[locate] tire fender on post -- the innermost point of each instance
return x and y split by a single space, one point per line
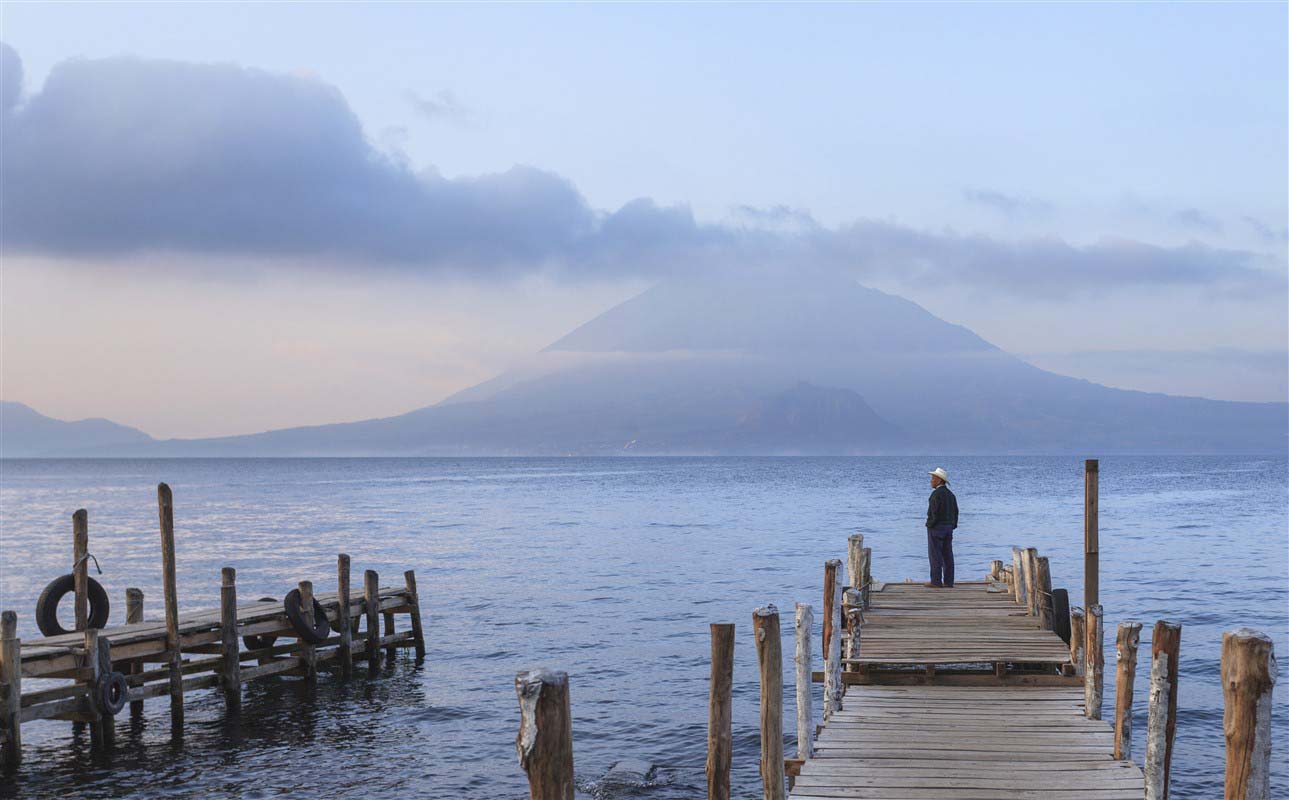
60 587
321 626
111 693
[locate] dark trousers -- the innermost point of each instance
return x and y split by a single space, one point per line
939 548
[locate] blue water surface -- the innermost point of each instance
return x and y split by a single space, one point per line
610 569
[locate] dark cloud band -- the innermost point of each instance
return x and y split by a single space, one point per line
123 155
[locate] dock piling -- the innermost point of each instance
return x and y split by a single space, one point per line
166 512
805 620
1031 581
134 615
1091 533
231 669
852 606
1248 676
769 656
371 608
1018 575
1078 641
1043 595
832 639
344 620
80 566
855 560
996 570
545 739
11 683
1125 673
1161 719
98 660
414 600
720 733
308 653
1094 665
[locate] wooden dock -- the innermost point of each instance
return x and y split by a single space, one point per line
960 694
91 674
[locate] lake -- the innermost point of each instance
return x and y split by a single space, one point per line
610 569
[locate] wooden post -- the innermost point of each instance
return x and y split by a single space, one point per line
1043 593
11 683
545 739
852 605
867 572
1161 720
133 616
1018 574
371 607
720 733
413 599
1031 581
1126 672
805 619
98 656
855 560
769 657
390 649
1248 675
345 651
166 510
1078 640
1094 670
231 669
996 570
1091 534
308 652
832 641
81 566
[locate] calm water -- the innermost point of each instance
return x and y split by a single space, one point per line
610 569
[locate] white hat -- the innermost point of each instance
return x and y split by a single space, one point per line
939 473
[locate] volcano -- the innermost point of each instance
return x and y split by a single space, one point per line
776 366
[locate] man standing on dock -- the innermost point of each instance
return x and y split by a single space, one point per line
941 519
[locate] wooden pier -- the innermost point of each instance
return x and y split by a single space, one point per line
95 672
960 693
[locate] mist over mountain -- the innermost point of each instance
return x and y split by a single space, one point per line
771 365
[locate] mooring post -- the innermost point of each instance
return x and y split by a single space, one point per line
805 620
391 649
1091 534
371 607
852 606
867 572
345 650
720 733
1018 574
769 657
308 652
832 640
1094 669
414 599
98 662
231 668
1043 595
996 570
1031 581
1078 641
1125 673
1248 675
11 682
133 616
1161 718
855 560
81 566
545 740
166 511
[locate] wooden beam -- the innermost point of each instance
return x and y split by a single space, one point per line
720 734
1094 671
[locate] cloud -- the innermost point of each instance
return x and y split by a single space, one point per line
1010 206
1265 232
123 156
443 105
10 78
1193 219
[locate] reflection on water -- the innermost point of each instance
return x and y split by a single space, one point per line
610 569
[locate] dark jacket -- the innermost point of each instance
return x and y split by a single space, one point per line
942 508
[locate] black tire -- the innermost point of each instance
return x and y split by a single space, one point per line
254 642
1061 614
111 693
321 627
60 587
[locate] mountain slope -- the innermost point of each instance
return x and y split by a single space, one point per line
26 433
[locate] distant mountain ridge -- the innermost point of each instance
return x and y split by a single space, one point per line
768 366
25 432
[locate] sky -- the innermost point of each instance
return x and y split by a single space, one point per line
224 218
